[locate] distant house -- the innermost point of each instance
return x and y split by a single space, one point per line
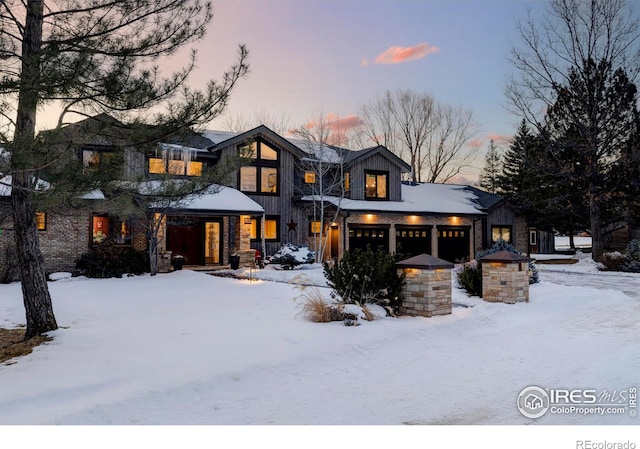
273 199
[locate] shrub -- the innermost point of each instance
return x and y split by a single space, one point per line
9 265
470 278
106 260
366 277
628 262
290 256
632 257
612 261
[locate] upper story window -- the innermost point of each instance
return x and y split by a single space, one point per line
309 177
347 182
94 160
175 161
376 185
263 172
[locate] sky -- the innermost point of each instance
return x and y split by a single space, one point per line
319 58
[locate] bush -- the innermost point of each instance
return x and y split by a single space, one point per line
9 265
106 260
614 261
470 278
290 256
628 262
366 277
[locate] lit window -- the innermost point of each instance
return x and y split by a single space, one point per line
310 177
248 179
175 167
347 182
100 228
269 180
262 175
376 185
501 233
314 227
41 221
271 229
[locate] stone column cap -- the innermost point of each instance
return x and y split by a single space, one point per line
424 261
504 256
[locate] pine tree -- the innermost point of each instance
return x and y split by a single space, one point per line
491 171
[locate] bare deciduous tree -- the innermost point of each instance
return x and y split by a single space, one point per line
430 135
325 164
89 57
574 53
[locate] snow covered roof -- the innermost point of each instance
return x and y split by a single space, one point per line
219 136
222 199
5 185
217 198
448 199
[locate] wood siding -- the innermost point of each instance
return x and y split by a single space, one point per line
377 162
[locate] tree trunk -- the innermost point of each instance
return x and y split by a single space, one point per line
153 254
595 218
35 291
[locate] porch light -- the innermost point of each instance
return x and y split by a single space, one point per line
454 220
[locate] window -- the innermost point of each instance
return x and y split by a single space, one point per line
104 227
314 227
262 175
533 237
309 177
271 228
501 233
376 185
347 182
93 160
41 221
175 167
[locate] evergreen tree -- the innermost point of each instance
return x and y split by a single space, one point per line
491 171
91 57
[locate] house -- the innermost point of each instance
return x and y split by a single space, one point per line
288 191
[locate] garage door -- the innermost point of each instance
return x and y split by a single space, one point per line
361 236
453 243
413 240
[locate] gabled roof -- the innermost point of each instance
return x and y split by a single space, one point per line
223 140
355 156
485 199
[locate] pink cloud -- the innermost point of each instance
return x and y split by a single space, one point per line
476 143
499 139
396 55
335 128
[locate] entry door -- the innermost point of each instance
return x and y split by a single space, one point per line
334 235
212 239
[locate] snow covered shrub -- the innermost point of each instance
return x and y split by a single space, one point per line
612 261
290 256
366 277
632 257
470 278
316 309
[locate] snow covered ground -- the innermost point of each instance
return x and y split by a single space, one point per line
191 348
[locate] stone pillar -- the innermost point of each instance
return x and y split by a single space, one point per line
505 277
427 289
164 261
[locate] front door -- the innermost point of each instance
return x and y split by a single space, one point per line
212 239
185 239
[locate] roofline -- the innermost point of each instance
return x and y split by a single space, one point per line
367 152
257 131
